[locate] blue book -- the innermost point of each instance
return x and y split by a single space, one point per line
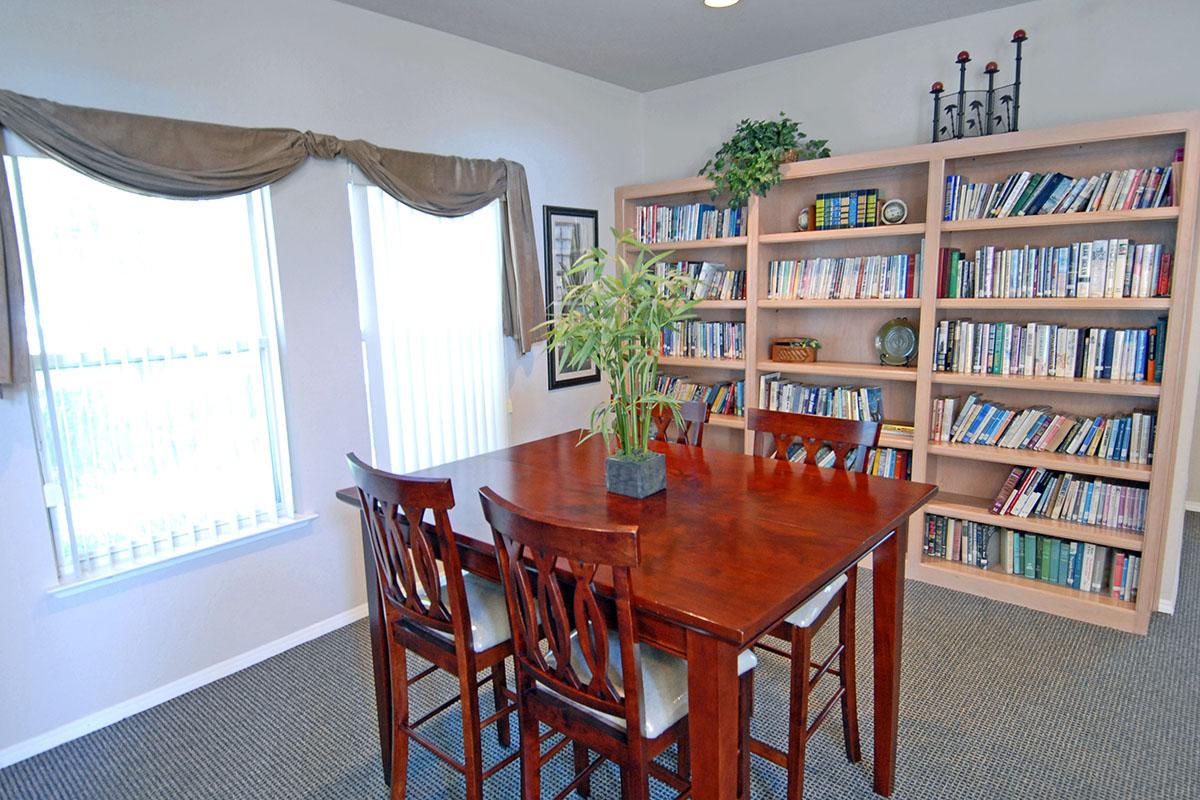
1064 563
1055 558
1139 361
1077 569
984 411
1017 568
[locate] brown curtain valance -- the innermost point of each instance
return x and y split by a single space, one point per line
180 159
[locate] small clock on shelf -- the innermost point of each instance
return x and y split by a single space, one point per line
893 212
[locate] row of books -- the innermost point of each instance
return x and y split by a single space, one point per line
854 278
1102 268
686 223
726 397
1077 565
696 339
1039 349
1051 494
1028 193
711 280
888 462
854 209
844 402
1127 438
961 540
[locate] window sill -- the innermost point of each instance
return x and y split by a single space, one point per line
72 587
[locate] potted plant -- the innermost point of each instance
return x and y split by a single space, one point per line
749 162
615 320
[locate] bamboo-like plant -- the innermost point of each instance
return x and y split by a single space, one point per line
615 320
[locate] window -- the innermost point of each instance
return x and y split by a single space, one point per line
430 309
153 333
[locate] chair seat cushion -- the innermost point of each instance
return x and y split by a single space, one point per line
489 613
807 613
664 698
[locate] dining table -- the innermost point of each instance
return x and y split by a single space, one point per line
730 548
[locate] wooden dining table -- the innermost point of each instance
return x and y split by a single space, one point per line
731 547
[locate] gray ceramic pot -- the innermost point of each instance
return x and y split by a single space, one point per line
640 478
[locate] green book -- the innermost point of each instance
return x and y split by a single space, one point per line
1034 184
1044 550
1017 567
1029 555
1055 555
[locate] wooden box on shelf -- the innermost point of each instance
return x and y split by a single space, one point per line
793 350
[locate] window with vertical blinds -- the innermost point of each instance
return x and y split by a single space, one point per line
430 308
154 340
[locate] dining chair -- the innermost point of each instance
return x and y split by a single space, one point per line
575 681
452 619
849 441
693 416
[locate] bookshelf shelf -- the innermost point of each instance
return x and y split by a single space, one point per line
716 305
1119 388
727 421
905 302
1055 220
699 244
1032 458
1058 304
703 363
840 369
896 442
979 509
969 474
874 232
1097 608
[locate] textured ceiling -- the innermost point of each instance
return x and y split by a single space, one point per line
649 44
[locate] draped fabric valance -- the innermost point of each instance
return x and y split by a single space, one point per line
180 159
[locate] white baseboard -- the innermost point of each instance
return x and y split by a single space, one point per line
93 722
1191 505
1166 606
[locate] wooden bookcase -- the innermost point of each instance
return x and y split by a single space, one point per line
969 476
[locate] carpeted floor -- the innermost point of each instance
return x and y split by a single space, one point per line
997 702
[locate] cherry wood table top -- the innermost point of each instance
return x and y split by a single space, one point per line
735 542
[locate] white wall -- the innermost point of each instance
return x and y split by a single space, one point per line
298 63
1085 60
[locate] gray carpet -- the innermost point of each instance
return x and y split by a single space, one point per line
997 702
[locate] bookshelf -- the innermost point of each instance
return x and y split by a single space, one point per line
969 476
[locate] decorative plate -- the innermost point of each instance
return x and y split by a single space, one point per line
894 212
896 342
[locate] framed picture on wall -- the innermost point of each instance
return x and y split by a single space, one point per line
568 234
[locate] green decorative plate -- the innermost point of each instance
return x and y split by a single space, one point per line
896 342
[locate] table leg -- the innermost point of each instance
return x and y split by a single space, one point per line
379 656
887 571
713 717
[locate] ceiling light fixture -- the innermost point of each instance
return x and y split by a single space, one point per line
720 3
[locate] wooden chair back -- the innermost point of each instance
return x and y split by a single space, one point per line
407 549
693 416
815 432
536 554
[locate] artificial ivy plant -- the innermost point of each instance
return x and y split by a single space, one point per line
749 162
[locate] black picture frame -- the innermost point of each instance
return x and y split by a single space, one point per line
565 236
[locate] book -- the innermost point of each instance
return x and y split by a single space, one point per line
691 222
858 277
696 339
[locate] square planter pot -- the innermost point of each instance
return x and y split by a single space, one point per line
640 478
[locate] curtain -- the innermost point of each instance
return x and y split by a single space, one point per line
176 158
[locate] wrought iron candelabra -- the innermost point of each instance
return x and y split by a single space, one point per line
979 112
